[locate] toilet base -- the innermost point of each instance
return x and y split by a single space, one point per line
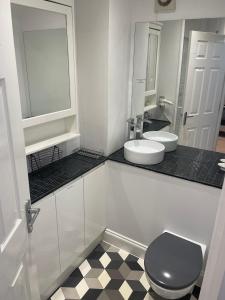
170 294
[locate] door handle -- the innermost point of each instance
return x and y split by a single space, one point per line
31 215
187 116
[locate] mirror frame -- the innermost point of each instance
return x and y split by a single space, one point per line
67 11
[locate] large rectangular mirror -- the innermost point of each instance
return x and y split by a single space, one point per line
43 62
178 78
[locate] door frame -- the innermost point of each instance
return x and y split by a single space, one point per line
215 267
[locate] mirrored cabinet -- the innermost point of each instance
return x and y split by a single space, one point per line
146 66
45 54
152 65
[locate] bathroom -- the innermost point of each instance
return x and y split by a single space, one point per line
111 177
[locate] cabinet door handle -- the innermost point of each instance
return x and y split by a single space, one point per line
31 215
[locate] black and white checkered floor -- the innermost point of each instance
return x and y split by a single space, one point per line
110 273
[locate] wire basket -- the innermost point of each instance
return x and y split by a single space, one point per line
45 157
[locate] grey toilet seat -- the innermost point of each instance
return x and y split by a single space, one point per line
173 263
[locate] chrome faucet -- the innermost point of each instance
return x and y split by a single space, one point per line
131 129
147 117
135 130
139 127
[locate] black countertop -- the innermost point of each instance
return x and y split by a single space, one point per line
155 125
52 177
186 163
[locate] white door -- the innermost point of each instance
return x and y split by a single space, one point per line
204 88
15 261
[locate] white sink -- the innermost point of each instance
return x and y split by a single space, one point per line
169 140
144 152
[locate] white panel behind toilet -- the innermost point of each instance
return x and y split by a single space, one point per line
203 246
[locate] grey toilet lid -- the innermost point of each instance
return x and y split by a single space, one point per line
172 262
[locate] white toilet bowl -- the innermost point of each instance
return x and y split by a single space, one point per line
173 265
170 294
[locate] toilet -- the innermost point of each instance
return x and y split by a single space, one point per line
173 265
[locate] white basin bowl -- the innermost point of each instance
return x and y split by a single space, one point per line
169 140
144 152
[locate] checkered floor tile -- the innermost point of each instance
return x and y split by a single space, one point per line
110 273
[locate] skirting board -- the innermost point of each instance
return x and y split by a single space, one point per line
125 243
135 248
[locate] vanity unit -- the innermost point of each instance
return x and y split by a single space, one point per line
180 195
81 197
72 216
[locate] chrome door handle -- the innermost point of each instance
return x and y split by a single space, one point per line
187 116
31 215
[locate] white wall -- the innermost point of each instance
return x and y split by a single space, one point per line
103 45
141 204
37 19
207 25
118 63
218 25
92 26
143 10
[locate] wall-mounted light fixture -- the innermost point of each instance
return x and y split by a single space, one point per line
165 6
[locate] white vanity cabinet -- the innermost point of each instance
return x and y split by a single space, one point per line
94 201
45 245
70 218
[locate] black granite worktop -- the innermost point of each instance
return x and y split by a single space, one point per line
186 163
50 178
155 125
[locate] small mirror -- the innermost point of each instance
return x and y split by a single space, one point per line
178 79
41 46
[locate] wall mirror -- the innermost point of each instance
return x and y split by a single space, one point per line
44 55
178 78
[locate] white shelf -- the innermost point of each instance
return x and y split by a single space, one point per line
149 107
50 142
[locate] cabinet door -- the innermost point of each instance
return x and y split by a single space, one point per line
94 199
70 214
45 243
